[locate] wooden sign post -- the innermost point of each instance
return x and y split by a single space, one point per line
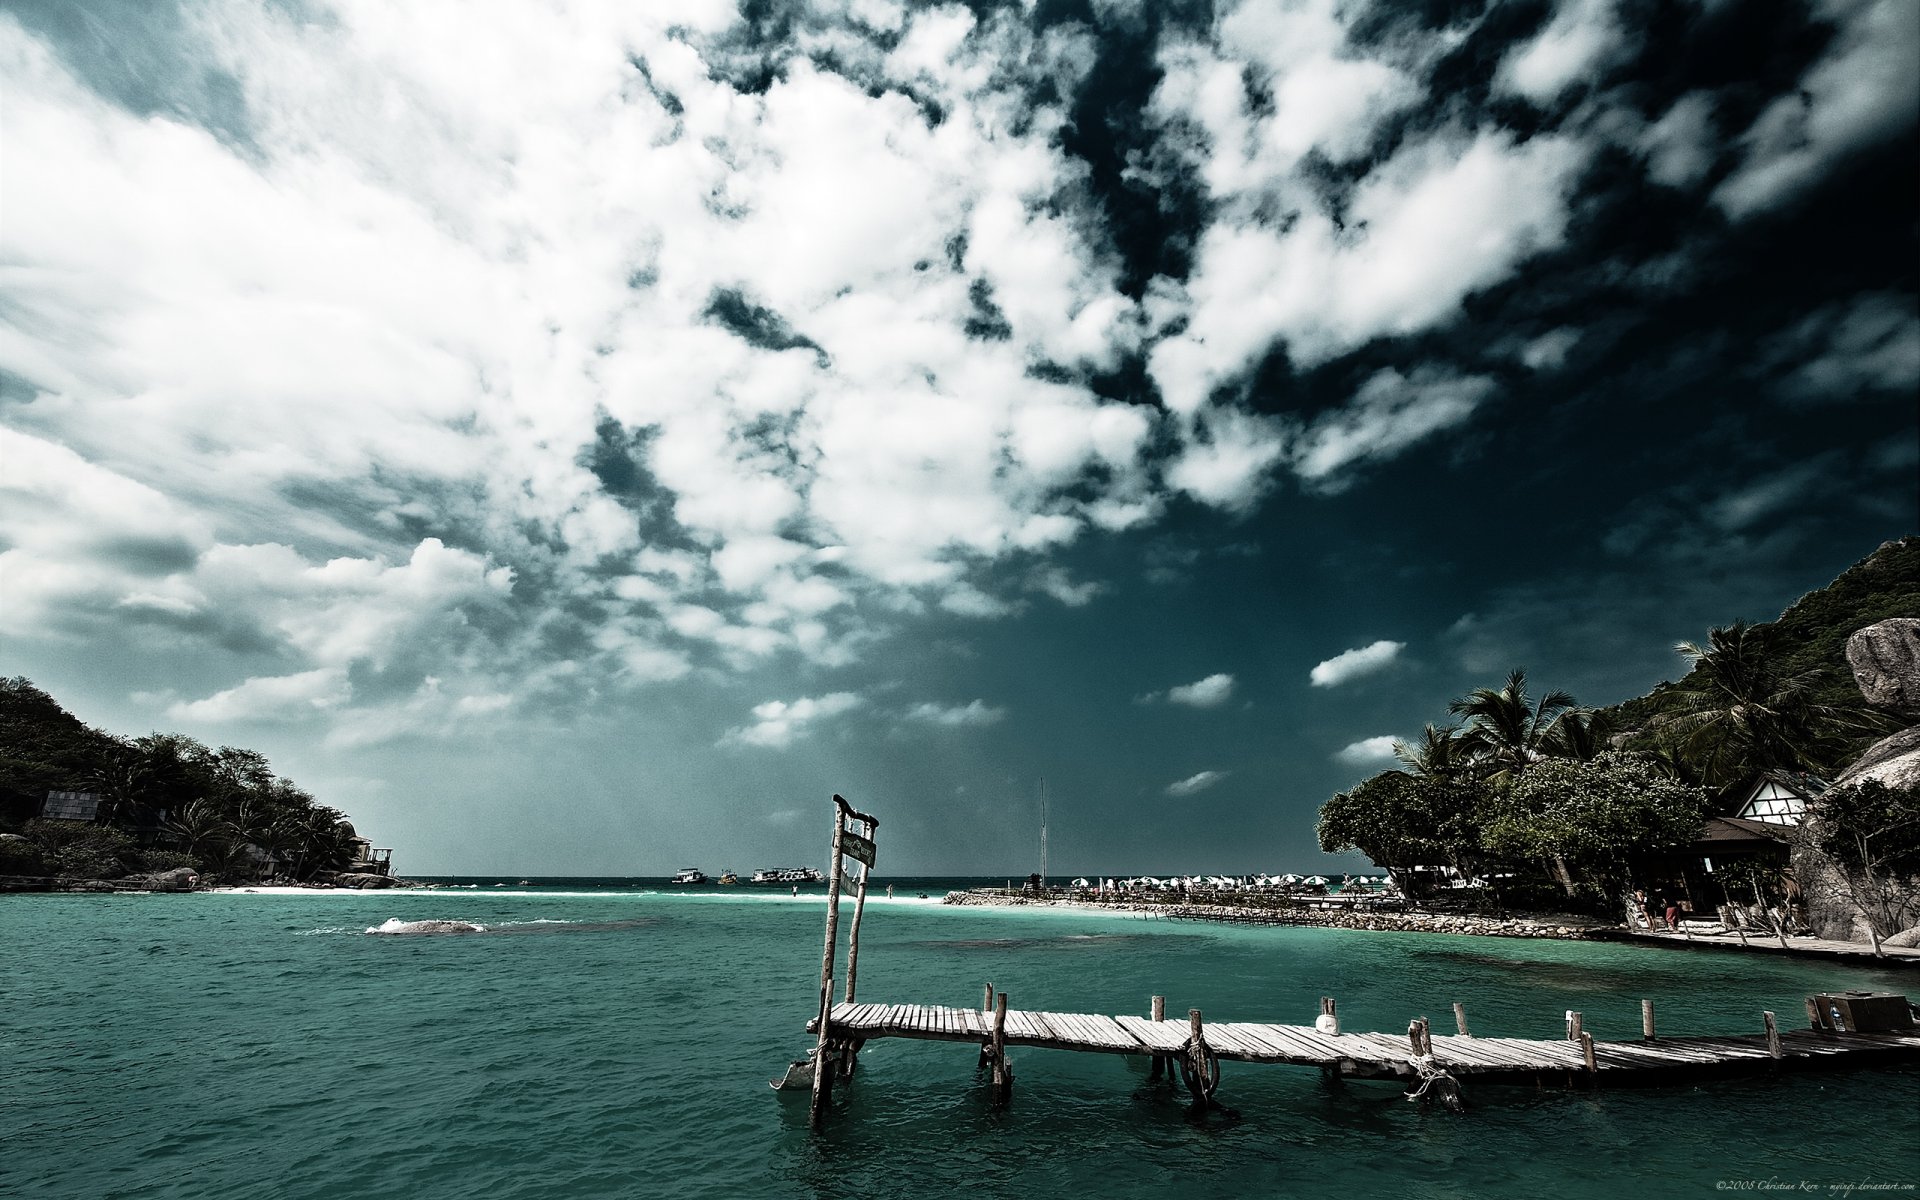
824 1066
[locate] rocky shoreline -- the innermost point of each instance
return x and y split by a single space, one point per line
184 879
1556 926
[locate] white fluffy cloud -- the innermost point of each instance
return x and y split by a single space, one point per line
453 263
1352 664
1196 783
1211 692
779 723
1862 91
1389 413
973 714
270 698
1367 751
1577 44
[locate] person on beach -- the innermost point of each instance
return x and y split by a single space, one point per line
1673 915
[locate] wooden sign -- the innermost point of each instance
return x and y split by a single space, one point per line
857 848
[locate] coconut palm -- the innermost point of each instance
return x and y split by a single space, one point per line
1439 754
1737 713
1580 734
1506 729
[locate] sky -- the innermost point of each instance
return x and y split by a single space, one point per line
581 437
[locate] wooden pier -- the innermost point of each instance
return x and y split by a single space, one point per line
1580 1061
1433 1065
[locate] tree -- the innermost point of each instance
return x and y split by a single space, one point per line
1588 819
1737 713
1506 729
1401 821
1440 754
1868 835
1759 876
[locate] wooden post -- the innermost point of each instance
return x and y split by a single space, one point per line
1157 1010
1002 1078
986 1005
1646 1019
1813 1018
1573 1026
822 1068
1419 1037
859 908
1773 1034
1460 1018
1586 1051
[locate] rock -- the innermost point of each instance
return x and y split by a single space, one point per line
1885 657
180 879
1906 937
356 880
1894 761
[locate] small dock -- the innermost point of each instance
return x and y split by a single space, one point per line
1845 1029
1579 1061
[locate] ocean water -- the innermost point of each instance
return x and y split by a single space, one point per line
616 1040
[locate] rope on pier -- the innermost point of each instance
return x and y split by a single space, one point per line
1433 1078
1200 1071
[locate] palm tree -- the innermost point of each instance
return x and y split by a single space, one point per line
1505 728
199 828
1580 734
1439 754
1736 713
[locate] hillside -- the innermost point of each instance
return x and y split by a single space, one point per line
1812 633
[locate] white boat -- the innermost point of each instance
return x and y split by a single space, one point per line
689 876
779 876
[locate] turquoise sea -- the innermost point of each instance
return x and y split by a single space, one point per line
616 1040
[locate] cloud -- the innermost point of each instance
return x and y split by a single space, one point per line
1581 40
1862 91
1867 345
1681 145
1548 352
554 323
1194 784
1368 750
270 698
1352 664
1444 217
1389 413
1211 692
779 723
973 714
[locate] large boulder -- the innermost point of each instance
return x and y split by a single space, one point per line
1903 939
354 879
1885 657
1894 761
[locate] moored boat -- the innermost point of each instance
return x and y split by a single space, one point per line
728 878
782 876
688 876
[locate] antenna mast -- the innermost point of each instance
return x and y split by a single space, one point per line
1043 832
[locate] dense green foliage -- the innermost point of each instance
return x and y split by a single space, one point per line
1590 818
1869 834
221 810
1529 790
1809 641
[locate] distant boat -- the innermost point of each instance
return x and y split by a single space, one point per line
689 876
728 878
781 876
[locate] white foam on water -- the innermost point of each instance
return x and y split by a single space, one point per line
396 925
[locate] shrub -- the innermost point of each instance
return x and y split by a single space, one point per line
156 861
20 858
82 851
